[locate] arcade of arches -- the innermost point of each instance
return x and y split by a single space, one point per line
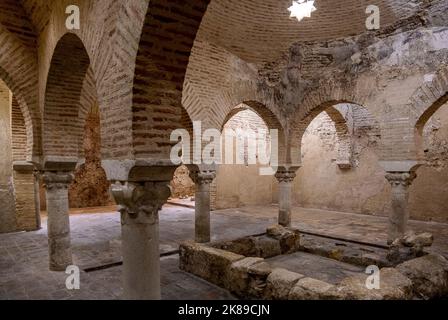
86 115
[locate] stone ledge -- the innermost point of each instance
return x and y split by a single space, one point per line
208 263
251 277
279 284
23 166
393 286
312 289
429 275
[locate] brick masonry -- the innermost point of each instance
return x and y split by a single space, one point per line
149 64
25 201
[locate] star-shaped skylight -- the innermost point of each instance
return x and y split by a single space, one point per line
301 9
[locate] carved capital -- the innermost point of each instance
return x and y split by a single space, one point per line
202 176
285 176
403 179
57 180
140 202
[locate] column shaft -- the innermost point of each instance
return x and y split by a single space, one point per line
141 259
140 203
203 180
399 215
56 185
284 203
285 177
202 213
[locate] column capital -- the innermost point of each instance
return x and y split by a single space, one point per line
286 174
57 179
140 202
203 176
404 179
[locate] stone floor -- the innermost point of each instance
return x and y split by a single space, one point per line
96 242
314 266
350 226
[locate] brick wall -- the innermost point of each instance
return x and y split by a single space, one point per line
167 38
19 138
62 125
26 215
90 187
24 182
227 52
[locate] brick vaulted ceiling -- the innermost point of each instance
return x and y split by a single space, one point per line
26 18
38 12
15 19
260 31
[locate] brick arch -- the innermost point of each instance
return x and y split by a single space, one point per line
299 128
19 132
28 148
424 103
110 31
268 118
187 124
315 102
238 93
88 100
62 128
18 69
167 38
344 159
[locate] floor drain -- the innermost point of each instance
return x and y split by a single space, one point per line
104 267
120 263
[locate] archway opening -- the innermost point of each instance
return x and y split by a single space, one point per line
246 140
427 198
340 162
72 114
18 191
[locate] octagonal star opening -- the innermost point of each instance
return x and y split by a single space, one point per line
301 9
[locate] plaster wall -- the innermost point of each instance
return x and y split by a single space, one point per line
363 189
240 185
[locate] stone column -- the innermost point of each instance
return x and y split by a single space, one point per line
37 176
285 177
56 185
139 205
203 180
398 218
